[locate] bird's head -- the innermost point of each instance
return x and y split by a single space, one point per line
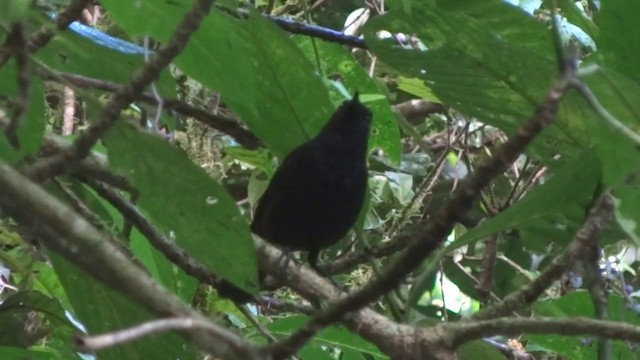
350 122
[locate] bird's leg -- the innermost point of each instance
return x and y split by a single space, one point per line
313 262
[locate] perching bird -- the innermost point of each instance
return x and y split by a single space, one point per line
317 193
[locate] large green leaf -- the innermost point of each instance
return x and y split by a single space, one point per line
186 204
481 68
261 74
162 269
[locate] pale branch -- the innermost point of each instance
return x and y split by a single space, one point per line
93 343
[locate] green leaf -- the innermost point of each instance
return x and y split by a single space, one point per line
8 352
482 68
25 301
186 204
100 310
332 336
617 20
618 153
577 17
162 269
19 326
416 87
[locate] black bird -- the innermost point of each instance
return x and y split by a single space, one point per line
317 193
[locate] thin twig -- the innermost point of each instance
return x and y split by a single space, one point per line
93 343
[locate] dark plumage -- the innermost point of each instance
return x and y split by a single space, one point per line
316 194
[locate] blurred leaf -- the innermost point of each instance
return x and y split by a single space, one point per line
7 352
186 204
577 17
25 301
25 318
416 87
481 67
